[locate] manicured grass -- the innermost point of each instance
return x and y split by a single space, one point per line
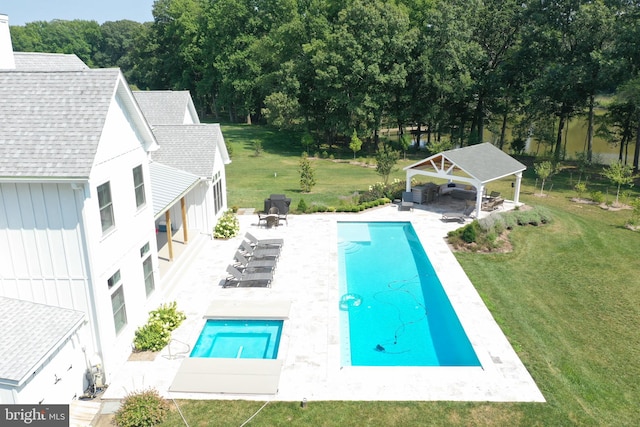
251 178
567 297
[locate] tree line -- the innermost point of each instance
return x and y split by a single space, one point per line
451 69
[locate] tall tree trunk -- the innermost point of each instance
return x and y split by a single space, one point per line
503 130
480 120
214 106
636 152
559 138
418 133
590 130
473 137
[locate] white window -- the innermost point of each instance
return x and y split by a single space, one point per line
138 185
117 302
147 268
106 207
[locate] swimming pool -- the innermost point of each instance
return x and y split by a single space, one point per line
239 339
393 309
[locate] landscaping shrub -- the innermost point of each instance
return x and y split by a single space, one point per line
152 336
156 333
469 233
494 223
228 226
635 213
302 206
142 409
597 196
534 216
580 188
168 315
485 233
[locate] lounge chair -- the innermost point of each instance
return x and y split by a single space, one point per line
458 216
243 263
407 201
255 242
239 278
260 252
492 204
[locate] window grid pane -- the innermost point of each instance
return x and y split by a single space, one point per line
119 309
106 207
147 268
138 184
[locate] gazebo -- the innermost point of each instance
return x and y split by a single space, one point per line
475 165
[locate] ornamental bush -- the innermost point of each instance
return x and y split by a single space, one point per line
156 333
142 409
228 226
168 314
153 336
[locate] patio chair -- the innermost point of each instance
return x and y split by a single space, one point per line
260 252
247 264
492 204
255 242
269 219
458 216
282 203
407 201
247 279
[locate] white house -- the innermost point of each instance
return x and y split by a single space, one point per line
188 145
78 251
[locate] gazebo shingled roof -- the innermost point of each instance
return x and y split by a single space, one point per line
476 165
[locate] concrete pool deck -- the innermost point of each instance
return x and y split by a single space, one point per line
306 276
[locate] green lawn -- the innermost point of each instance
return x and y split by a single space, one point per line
251 178
567 298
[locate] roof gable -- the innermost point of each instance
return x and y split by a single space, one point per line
191 148
165 107
482 162
51 122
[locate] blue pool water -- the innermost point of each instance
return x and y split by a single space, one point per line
244 339
393 309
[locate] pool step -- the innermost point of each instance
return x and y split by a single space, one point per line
350 247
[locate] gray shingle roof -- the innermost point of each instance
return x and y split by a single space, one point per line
30 332
484 162
191 148
51 122
33 61
165 107
168 185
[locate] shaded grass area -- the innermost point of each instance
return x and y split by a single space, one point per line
567 297
252 178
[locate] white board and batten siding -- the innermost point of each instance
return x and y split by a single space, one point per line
53 250
119 249
41 248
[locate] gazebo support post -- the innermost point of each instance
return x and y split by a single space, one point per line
479 193
516 194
